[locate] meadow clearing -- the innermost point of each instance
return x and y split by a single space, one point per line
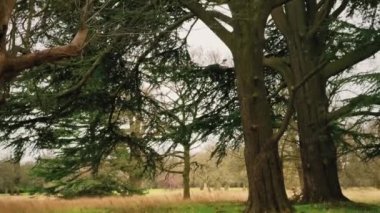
159 200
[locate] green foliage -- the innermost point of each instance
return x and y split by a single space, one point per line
230 172
69 176
7 177
355 128
77 107
101 185
18 180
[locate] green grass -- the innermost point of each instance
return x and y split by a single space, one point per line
237 207
182 208
86 210
200 208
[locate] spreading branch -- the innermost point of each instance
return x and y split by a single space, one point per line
11 66
352 58
352 105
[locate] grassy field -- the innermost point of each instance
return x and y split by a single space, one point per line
158 201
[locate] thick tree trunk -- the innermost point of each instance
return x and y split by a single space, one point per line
265 178
318 151
186 172
246 42
317 148
307 48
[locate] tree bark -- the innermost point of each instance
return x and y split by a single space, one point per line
12 66
317 148
306 40
186 172
265 178
246 42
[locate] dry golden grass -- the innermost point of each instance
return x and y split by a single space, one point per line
363 195
41 204
25 204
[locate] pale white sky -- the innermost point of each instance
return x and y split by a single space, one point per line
204 42
205 46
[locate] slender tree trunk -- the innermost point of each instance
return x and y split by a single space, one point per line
17 178
186 172
297 158
298 165
265 178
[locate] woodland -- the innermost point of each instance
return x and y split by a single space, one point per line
108 98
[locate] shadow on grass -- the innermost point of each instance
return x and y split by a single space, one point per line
239 207
341 207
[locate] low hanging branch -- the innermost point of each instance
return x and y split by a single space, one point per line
11 66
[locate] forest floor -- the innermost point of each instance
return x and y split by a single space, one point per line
157 201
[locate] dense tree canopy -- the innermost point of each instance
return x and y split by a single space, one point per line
121 95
